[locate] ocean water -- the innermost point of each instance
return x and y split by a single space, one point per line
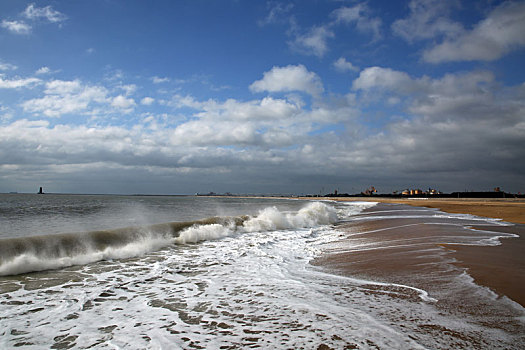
140 272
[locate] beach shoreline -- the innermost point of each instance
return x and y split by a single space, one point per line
501 268
511 210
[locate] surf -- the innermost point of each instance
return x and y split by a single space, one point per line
46 252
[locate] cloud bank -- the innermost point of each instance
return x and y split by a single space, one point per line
245 141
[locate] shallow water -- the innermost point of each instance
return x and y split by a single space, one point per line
228 285
403 244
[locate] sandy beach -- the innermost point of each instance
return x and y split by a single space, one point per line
500 268
510 210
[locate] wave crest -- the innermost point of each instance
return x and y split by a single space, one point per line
38 253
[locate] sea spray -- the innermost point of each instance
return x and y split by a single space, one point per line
313 214
208 232
38 253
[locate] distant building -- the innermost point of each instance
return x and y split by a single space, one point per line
432 191
419 192
369 191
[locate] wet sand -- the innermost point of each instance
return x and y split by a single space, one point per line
501 268
411 251
510 210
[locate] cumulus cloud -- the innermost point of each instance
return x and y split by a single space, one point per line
448 124
378 77
498 34
159 80
43 70
65 97
16 27
427 19
7 66
464 95
452 123
123 103
313 42
63 87
276 13
129 88
289 78
469 112
246 135
45 13
33 13
343 65
147 101
18 83
360 16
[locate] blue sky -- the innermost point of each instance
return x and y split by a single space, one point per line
178 97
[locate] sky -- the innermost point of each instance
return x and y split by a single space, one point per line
248 96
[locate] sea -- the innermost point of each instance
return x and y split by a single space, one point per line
192 272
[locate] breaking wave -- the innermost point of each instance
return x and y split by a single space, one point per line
38 253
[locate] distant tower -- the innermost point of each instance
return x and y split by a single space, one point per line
40 191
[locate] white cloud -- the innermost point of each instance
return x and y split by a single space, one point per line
7 66
123 103
74 97
18 83
386 78
267 123
113 75
66 97
179 101
455 97
16 27
147 101
34 13
289 78
344 66
158 80
498 34
453 122
314 42
360 16
267 109
204 132
129 88
43 70
276 13
63 87
427 19
6 114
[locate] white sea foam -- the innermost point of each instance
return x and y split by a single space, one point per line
200 233
32 261
268 219
313 214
